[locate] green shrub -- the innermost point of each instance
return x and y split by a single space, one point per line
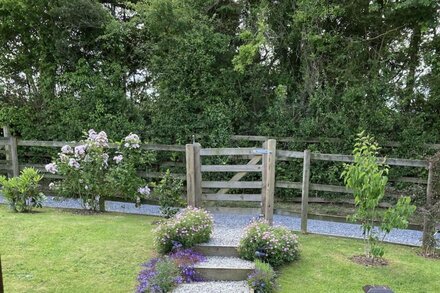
22 193
169 193
275 245
187 228
263 279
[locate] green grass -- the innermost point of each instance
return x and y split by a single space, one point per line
59 251
324 267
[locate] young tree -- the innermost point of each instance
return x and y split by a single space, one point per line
368 178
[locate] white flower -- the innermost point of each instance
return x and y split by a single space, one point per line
51 186
67 149
132 141
74 163
144 190
86 187
92 134
118 159
51 168
101 139
80 151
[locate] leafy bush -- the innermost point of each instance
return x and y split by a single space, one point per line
22 193
188 227
367 178
169 193
90 173
263 279
164 273
275 245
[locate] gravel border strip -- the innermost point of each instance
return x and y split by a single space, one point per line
214 287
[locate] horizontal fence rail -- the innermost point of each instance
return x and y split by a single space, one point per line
259 138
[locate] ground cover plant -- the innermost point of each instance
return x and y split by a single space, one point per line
54 250
368 178
164 273
276 245
187 228
23 192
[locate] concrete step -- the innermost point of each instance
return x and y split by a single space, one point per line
214 287
218 268
210 249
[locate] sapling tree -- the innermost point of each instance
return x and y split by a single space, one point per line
367 178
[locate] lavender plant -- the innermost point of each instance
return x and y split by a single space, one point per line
263 278
164 273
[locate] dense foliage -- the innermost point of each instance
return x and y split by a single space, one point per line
367 178
275 245
23 192
170 69
187 228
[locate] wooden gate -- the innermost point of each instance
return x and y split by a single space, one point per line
196 185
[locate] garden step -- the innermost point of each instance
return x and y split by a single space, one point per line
218 268
210 249
214 287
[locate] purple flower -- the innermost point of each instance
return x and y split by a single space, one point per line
80 151
144 190
67 149
105 160
92 134
118 158
51 168
74 163
101 139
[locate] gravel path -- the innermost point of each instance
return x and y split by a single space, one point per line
229 226
225 263
214 287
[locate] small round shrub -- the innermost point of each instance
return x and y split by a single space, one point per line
275 245
263 278
187 228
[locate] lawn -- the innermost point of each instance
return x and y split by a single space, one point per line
60 251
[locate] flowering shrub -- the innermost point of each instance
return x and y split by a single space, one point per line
22 192
91 175
275 245
188 227
263 279
169 193
164 273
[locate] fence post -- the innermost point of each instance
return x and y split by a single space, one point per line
305 191
268 192
11 153
193 174
427 226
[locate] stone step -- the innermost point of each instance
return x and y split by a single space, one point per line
218 268
214 287
210 249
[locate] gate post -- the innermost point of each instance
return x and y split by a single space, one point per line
11 153
193 174
305 191
268 178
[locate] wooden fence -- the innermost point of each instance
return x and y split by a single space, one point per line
270 155
13 166
199 190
